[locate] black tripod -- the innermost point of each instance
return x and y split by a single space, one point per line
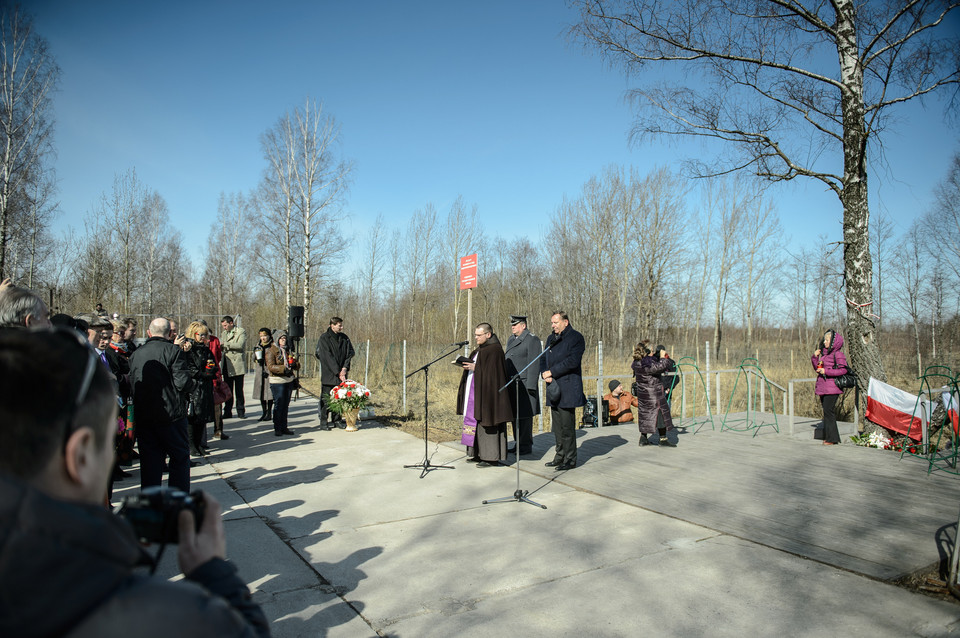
519 495
426 465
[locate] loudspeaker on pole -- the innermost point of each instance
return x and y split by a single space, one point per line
295 322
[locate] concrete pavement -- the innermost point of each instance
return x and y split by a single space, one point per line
336 538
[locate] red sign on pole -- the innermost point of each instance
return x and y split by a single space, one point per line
468 272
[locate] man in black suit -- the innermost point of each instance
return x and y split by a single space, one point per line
560 369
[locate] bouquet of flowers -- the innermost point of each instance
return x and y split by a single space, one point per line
349 395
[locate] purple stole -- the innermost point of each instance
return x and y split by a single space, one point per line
469 436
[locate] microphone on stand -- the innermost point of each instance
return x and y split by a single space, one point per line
460 343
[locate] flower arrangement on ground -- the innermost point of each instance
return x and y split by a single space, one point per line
882 442
347 396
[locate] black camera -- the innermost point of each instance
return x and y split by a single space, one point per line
153 513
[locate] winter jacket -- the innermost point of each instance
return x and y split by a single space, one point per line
277 366
563 362
520 351
334 351
203 369
653 411
834 365
159 374
234 341
70 570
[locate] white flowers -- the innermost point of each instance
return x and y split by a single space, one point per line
876 439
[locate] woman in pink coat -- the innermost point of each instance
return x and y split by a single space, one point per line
829 362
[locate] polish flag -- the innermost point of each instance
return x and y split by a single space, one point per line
952 405
895 409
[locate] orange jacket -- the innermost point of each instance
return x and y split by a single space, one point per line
620 411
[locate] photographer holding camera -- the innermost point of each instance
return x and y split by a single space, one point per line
67 564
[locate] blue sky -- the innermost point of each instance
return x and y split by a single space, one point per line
435 99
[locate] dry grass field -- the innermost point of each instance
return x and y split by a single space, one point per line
384 371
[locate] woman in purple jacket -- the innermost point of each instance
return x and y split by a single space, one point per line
829 362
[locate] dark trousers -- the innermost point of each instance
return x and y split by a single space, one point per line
565 431
281 404
236 387
322 408
198 435
159 441
830 432
524 437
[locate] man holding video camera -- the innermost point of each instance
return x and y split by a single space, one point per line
67 564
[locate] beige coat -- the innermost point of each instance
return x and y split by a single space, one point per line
234 343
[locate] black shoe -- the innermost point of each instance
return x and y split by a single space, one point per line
228 415
473 460
263 417
224 437
666 443
556 464
643 441
525 451
241 413
288 432
565 466
486 464
195 463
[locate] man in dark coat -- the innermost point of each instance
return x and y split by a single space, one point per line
523 347
479 401
58 541
561 366
334 351
160 376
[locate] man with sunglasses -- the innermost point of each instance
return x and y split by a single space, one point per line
57 541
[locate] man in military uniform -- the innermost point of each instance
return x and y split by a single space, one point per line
523 347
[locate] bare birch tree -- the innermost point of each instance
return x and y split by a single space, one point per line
28 77
461 238
796 88
910 273
123 208
230 254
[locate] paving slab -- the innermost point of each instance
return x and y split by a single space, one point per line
725 535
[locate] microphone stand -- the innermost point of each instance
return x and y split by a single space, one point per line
519 495
426 465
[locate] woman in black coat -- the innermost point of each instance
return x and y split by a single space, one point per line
654 411
203 368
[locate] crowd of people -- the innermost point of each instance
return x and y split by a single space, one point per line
71 385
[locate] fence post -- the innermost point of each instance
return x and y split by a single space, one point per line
366 364
706 349
790 401
763 394
598 416
718 389
541 395
404 377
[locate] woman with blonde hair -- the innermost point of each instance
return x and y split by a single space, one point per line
653 413
203 368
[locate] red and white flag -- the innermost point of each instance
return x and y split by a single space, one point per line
951 403
896 409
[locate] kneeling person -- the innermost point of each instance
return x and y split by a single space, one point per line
619 402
